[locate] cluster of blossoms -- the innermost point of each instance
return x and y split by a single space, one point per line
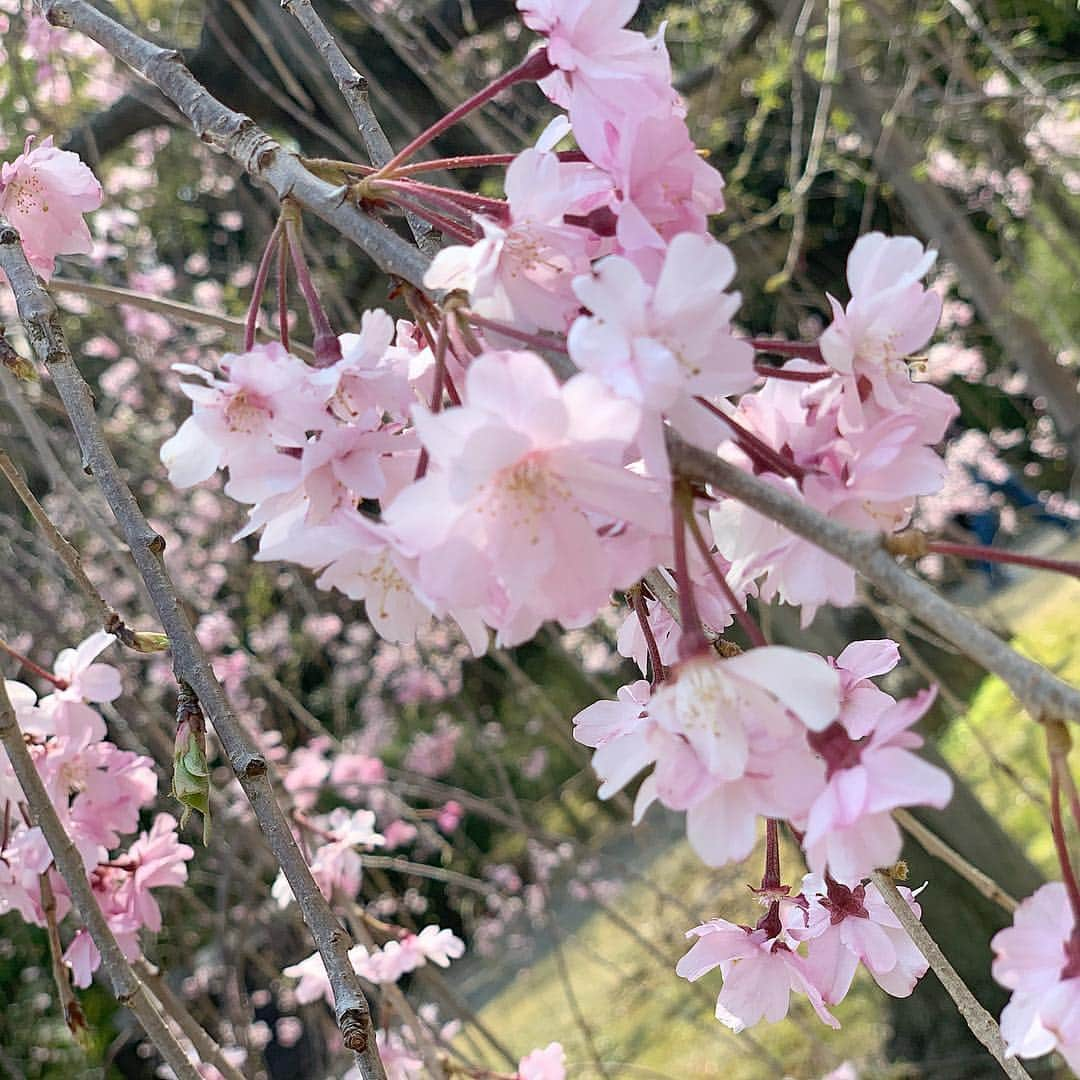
98 791
437 470
842 927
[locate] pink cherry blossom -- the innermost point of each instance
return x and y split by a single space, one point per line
889 317
848 925
266 403
520 271
546 1064
524 510
1038 958
660 346
86 680
759 973
44 193
724 742
849 827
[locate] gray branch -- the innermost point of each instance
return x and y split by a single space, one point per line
1043 694
983 1026
126 985
43 330
241 138
353 87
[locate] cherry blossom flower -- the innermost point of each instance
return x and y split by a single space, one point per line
846 926
520 271
759 973
44 193
1038 959
890 316
525 484
546 1064
849 827
86 680
266 403
724 741
661 346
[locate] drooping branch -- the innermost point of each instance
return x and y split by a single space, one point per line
241 138
126 985
1043 694
982 1024
190 664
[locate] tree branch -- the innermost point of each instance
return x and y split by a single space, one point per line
1043 694
241 138
353 87
190 664
982 1024
126 986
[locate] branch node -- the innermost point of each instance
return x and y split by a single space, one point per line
156 544
254 767
910 542
353 1024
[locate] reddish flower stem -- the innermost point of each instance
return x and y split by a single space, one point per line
459 230
750 628
756 449
990 554
441 343
475 161
771 878
1058 762
458 200
251 322
770 372
48 676
534 67
325 341
641 610
806 350
283 290
692 641
539 341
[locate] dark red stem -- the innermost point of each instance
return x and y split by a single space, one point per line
463 201
534 67
990 554
283 291
325 342
475 161
770 372
692 641
441 343
251 322
60 684
755 448
771 878
1057 828
750 628
539 341
641 610
807 350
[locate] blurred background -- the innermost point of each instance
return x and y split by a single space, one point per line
955 121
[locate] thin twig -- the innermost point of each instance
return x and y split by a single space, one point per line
110 620
982 1025
932 844
190 663
186 313
353 87
210 1052
126 986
